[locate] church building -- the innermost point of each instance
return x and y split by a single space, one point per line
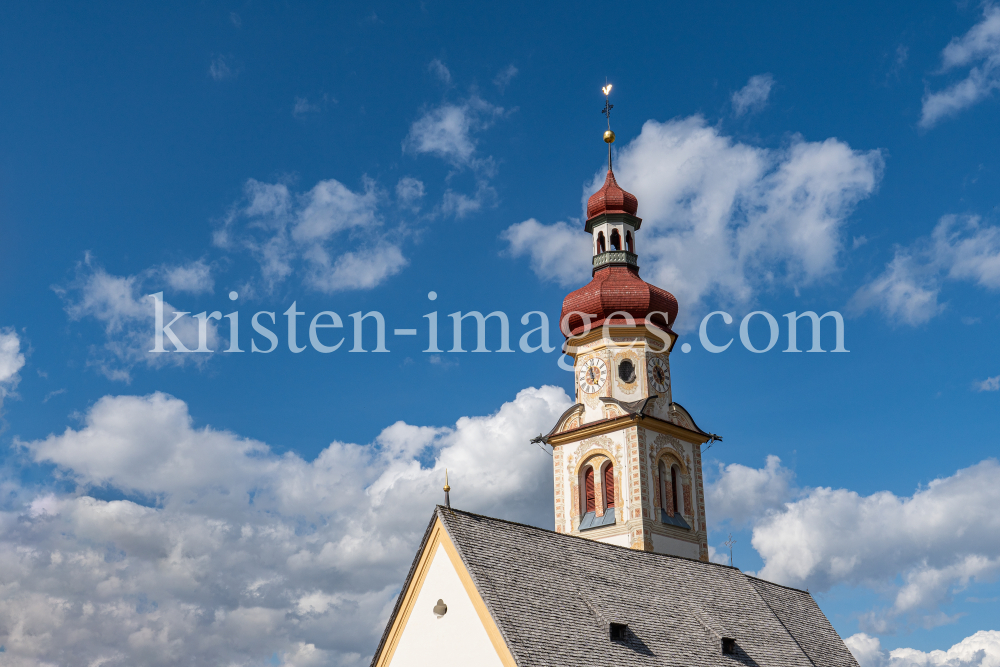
624 579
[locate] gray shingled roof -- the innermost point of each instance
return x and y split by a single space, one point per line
553 597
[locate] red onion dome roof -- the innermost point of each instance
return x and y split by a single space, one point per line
611 199
618 288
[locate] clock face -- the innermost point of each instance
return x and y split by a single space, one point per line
658 374
592 375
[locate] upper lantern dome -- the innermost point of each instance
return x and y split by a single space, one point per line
611 199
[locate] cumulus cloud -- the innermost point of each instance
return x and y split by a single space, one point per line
228 553
740 493
409 192
123 306
11 362
906 292
723 219
961 248
979 50
194 278
331 231
979 650
558 252
460 205
447 131
989 384
921 548
753 96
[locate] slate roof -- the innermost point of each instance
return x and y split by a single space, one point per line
553 597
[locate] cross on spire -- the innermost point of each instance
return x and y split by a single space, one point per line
609 136
608 106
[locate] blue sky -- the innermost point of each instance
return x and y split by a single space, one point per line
355 158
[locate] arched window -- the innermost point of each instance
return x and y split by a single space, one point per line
673 489
588 486
609 487
628 242
662 469
616 240
600 243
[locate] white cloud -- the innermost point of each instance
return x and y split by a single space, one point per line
121 304
741 493
409 192
460 205
447 131
303 106
989 384
241 553
979 650
364 269
939 540
11 362
960 248
504 77
331 230
723 219
222 67
195 278
906 292
978 49
753 96
558 252
438 69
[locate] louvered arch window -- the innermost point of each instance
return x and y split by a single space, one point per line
664 503
609 486
674 489
588 485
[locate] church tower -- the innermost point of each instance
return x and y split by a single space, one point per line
627 458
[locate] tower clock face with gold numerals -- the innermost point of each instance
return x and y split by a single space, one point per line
658 374
592 375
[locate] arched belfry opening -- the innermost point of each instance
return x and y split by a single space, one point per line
628 242
609 487
616 240
589 499
675 496
601 247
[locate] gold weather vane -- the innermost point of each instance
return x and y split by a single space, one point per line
609 136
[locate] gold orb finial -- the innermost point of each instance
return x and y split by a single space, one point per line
446 487
609 137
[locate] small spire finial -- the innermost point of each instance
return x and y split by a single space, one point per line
447 489
729 543
609 136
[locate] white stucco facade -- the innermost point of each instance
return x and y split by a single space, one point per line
456 638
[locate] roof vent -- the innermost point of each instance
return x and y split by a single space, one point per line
618 631
728 645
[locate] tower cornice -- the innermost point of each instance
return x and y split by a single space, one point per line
612 218
609 425
652 334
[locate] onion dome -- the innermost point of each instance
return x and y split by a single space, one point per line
611 199
618 288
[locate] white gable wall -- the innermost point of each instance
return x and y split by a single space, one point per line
457 638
